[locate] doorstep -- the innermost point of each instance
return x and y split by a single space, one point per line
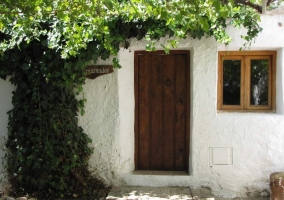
158 193
164 193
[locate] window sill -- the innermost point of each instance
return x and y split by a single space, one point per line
246 111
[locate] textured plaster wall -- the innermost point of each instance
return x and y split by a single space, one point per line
257 139
101 123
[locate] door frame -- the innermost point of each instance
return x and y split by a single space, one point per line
188 101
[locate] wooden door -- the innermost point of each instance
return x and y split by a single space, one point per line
162 110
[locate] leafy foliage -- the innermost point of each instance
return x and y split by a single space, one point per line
46 148
47 153
80 22
45 46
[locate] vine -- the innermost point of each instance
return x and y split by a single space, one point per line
45 57
46 150
47 153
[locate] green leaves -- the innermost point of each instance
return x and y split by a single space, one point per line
45 144
216 4
204 23
45 46
26 66
73 24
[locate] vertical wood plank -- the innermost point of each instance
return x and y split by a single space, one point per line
156 95
180 146
187 110
168 103
144 114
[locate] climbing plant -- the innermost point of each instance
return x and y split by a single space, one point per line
46 150
44 49
47 153
79 22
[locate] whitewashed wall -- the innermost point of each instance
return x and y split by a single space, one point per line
101 123
257 139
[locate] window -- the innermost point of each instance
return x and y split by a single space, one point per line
246 81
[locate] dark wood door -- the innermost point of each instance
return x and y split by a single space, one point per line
162 110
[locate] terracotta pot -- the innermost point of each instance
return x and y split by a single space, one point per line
277 186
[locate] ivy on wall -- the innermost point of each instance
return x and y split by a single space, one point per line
44 49
46 150
47 153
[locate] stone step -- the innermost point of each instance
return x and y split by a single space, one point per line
164 193
159 193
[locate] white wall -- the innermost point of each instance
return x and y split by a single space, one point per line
256 138
101 123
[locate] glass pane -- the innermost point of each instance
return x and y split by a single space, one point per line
231 82
259 82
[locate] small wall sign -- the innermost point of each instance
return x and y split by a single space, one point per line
94 71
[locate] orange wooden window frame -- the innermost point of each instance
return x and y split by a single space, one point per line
246 57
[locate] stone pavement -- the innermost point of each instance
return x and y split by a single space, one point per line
163 193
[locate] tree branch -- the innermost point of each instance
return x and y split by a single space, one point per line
257 7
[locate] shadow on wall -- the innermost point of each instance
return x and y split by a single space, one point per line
6 89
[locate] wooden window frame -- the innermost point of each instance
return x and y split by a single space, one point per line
246 57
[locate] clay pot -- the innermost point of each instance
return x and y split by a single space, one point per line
277 186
